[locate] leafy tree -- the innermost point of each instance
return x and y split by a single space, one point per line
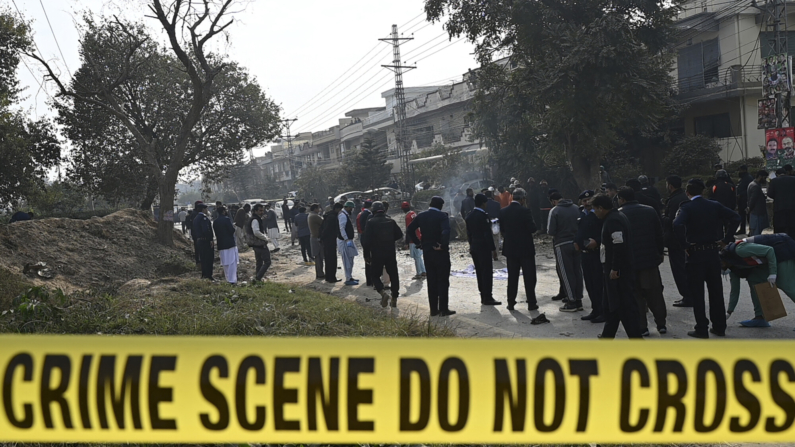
249 181
580 75
316 183
58 197
182 109
692 155
366 168
27 148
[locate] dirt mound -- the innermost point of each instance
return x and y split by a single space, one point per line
98 252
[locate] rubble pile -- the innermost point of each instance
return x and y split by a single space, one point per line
101 251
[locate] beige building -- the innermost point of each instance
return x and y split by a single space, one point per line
718 73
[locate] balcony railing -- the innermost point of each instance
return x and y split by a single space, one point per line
729 78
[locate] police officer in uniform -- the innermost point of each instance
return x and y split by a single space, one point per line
703 227
588 240
434 225
203 235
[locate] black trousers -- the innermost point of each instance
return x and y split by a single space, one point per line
388 262
196 252
484 270
677 258
527 264
306 250
626 308
594 281
206 255
704 267
437 266
330 258
784 222
263 258
741 205
368 270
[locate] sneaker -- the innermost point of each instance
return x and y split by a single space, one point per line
384 298
755 322
351 283
572 306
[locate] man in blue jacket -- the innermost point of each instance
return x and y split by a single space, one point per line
703 227
227 247
434 225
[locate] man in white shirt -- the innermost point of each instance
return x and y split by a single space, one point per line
345 243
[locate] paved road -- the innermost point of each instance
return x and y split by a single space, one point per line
474 320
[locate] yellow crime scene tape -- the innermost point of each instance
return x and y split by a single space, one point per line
330 390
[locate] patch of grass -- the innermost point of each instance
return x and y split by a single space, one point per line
202 308
11 286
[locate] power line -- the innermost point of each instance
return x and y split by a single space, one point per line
321 95
311 120
440 49
414 50
325 115
56 39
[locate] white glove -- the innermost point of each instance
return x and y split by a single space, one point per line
772 280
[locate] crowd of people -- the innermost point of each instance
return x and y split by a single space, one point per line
611 244
608 246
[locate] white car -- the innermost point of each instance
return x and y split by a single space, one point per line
350 195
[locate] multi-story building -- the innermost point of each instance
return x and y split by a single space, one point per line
718 72
435 114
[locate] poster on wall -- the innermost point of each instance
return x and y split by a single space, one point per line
779 148
777 75
767 113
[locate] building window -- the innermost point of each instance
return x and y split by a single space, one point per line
714 126
697 65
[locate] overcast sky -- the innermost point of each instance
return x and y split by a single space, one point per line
317 58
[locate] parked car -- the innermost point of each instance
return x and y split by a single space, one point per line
349 194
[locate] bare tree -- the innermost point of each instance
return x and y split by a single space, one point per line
191 27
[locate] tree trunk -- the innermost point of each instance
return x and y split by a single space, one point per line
151 194
165 229
584 167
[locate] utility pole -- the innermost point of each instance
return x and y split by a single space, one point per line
401 137
287 123
775 14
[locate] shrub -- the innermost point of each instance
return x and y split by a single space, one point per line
691 155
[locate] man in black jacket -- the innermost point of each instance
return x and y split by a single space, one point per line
619 304
517 227
434 225
647 250
742 197
378 244
202 233
723 191
676 252
642 197
782 191
328 237
704 227
481 247
649 190
588 239
468 204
